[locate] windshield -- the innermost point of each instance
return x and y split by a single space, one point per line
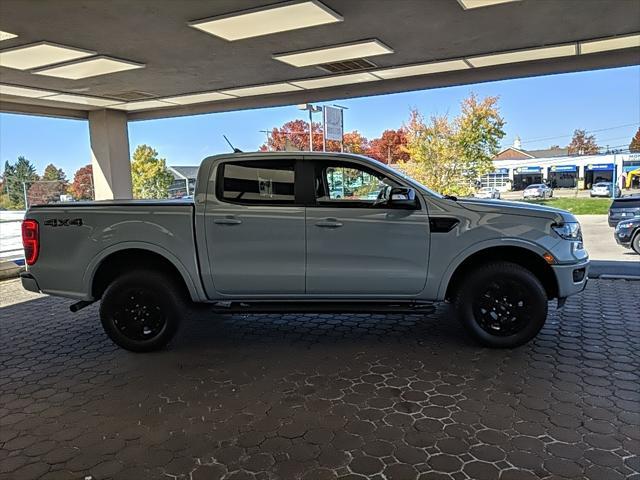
485 189
534 186
602 185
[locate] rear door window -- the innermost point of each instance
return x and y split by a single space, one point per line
257 182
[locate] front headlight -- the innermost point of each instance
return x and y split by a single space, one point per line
568 231
623 226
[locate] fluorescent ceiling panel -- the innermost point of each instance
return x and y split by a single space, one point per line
423 69
40 54
6 35
143 105
24 91
523 55
614 43
91 67
261 90
83 100
198 98
281 17
333 81
336 53
469 4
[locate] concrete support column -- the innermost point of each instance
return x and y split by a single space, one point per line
110 154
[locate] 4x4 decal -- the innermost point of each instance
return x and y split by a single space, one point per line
63 222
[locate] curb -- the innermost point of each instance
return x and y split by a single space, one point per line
10 269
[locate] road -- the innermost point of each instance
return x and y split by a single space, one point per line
599 241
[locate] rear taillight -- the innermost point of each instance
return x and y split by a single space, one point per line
31 241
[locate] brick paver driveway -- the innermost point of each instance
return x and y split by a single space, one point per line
321 396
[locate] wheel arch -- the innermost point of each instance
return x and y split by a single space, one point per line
520 255
114 261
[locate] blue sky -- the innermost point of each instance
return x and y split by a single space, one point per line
542 110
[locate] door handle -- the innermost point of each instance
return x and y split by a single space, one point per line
329 223
230 220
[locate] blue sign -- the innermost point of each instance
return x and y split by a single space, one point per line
533 169
501 171
600 166
564 168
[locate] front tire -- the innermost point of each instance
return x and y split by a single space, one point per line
635 243
501 305
140 310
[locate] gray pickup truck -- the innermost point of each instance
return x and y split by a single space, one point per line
287 231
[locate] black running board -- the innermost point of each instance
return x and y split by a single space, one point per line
324 307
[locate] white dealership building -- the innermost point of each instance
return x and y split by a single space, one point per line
515 168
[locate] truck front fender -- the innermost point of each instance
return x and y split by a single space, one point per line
478 247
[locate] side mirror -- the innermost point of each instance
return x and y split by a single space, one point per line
402 197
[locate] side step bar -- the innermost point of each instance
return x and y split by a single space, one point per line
324 307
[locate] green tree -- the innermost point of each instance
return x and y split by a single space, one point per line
150 176
634 146
449 156
17 177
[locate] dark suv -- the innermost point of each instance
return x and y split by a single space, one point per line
624 208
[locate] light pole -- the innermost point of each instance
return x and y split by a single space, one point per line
312 109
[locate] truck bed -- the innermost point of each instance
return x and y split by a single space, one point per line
76 237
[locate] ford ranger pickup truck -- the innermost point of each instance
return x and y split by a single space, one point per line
305 231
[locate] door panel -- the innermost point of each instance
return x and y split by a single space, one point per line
255 231
357 247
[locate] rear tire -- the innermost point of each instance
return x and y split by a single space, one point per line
141 310
501 305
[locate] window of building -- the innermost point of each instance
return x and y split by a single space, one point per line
495 180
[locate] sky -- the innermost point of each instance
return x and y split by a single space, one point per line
542 111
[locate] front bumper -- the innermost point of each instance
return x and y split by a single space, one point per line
623 240
571 278
29 282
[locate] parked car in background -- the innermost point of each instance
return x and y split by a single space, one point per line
604 189
537 190
624 208
487 192
627 234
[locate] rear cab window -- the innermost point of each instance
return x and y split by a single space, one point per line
257 182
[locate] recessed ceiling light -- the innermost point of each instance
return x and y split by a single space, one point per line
322 82
198 98
83 100
613 43
422 69
261 90
468 4
40 54
523 55
91 67
335 53
24 91
143 105
6 35
280 17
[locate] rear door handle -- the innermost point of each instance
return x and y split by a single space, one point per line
230 220
329 223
